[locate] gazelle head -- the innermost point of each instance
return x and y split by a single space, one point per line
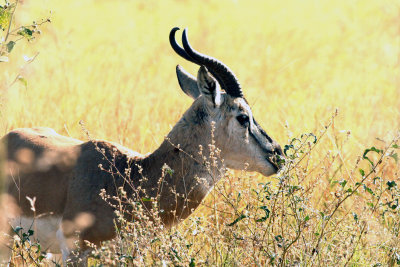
219 98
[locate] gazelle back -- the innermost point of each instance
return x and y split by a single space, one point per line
65 176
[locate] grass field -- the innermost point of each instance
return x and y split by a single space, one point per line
109 64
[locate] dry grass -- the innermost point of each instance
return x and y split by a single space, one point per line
109 64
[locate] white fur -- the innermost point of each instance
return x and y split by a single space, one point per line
63 244
45 229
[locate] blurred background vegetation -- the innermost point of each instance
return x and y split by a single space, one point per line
109 64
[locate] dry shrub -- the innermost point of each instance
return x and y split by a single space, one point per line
321 214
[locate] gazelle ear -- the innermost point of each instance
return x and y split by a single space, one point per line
187 82
208 86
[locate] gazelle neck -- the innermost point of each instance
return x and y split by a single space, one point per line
187 168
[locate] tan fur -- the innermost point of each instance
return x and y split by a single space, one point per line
65 176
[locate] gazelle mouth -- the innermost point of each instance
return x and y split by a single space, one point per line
276 161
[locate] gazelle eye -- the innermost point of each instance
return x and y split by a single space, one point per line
243 120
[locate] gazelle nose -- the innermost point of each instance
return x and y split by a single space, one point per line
279 156
278 150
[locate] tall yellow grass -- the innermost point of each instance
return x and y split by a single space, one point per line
109 63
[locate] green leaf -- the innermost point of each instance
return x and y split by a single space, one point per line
369 190
168 170
267 211
310 135
287 148
355 216
3 59
349 190
315 138
394 156
176 254
23 81
395 146
241 217
370 161
279 239
362 172
307 218
391 184
239 196
10 46
17 229
26 32
145 199
343 182
394 204
5 16
372 149
192 264
293 188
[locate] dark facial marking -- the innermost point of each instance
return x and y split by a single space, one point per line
262 131
200 116
243 119
210 85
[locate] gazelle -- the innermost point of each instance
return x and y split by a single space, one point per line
65 176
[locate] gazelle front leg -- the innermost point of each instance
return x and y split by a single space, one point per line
65 250
71 254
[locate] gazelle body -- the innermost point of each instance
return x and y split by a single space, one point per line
64 176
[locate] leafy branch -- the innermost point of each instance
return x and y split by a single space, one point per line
11 35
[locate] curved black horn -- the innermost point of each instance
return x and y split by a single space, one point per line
221 72
177 48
